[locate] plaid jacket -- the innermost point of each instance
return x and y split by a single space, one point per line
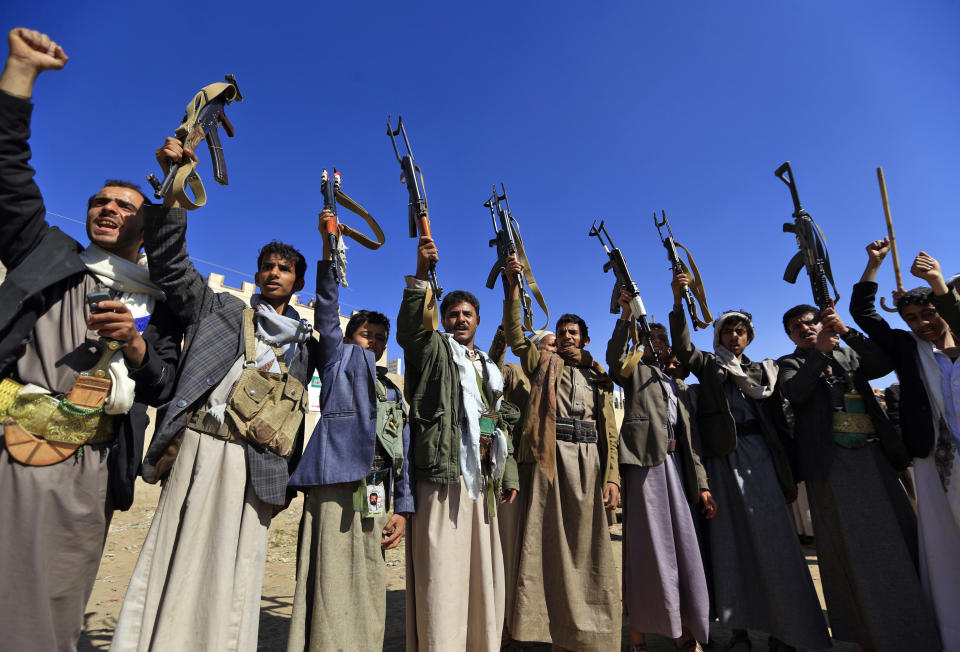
212 343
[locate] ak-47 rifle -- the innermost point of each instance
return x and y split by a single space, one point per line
624 281
508 242
419 216
334 230
813 247
205 115
697 294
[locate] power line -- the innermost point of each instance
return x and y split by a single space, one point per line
207 262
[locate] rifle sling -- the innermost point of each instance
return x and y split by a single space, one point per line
698 291
532 284
361 239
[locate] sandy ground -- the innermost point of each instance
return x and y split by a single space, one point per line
128 530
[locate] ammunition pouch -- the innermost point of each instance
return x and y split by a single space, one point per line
391 419
265 408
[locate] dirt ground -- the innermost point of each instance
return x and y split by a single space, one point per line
128 530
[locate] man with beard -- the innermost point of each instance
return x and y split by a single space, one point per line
462 463
760 577
568 475
664 586
927 362
224 446
360 451
66 465
849 453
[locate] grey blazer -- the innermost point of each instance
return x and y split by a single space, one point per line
643 434
212 343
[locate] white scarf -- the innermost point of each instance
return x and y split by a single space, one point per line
286 330
945 453
730 362
471 408
139 294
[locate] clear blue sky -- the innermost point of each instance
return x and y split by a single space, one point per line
585 110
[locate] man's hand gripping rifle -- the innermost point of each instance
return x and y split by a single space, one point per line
419 216
697 294
624 281
508 242
202 121
334 230
813 248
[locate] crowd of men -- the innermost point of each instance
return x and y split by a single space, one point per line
498 475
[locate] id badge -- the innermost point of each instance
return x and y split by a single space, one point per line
375 500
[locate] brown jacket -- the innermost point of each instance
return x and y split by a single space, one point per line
643 435
608 438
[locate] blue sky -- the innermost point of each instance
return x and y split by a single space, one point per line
584 110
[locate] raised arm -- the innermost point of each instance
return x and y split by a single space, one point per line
326 312
411 334
945 298
521 346
22 212
691 357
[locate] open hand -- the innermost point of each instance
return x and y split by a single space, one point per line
509 496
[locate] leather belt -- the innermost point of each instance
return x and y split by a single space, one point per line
577 431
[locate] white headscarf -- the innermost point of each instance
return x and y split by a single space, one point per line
729 361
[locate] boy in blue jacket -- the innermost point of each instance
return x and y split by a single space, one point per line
357 457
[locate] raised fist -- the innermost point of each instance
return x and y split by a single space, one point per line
34 50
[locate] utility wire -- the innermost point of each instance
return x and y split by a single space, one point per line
206 262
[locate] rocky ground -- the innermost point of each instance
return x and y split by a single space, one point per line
129 529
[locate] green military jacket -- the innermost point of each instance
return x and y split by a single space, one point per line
432 388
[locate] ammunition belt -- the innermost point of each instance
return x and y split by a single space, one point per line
576 431
54 418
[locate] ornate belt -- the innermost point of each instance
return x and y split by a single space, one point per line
577 431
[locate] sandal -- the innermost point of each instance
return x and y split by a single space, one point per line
692 645
638 647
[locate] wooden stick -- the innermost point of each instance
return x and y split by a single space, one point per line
893 238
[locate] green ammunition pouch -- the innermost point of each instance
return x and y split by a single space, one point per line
54 419
391 418
265 408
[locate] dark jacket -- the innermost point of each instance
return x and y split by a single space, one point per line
212 343
39 259
916 418
718 430
343 444
801 379
432 387
644 434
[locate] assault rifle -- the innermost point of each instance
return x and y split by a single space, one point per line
508 242
698 294
419 217
813 247
334 230
624 281
205 115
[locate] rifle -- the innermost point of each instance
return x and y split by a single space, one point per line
335 230
893 240
205 115
813 247
508 242
679 267
639 314
418 213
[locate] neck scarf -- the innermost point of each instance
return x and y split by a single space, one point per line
285 331
471 407
945 445
139 295
729 361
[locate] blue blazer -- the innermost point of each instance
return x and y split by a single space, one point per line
343 443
